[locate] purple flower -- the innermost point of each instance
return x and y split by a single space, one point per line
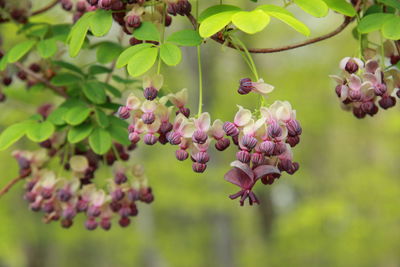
245 177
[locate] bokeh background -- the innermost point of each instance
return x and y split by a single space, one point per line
342 207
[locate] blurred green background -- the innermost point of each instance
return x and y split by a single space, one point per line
340 209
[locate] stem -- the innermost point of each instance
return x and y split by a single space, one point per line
200 80
162 36
382 51
10 184
249 57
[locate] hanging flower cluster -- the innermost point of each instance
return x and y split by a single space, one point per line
263 140
61 199
365 85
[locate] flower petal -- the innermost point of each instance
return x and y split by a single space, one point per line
354 82
203 122
262 88
263 170
244 167
371 66
337 79
242 117
133 102
343 62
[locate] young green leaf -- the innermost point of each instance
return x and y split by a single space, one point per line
95 92
142 61
102 118
65 78
13 133
251 22
100 141
128 53
341 6
215 23
4 62
40 131
107 52
20 50
147 31
57 116
185 38
118 131
391 3
114 91
316 8
98 69
373 22
77 115
47 48
291 21
170 54
274 8
100 23
79 133
215 10
391 28
68 66
78 33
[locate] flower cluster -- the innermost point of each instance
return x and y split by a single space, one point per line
365 85
61 199
263 140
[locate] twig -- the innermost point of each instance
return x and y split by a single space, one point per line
397 44
346 22
58 90
10 184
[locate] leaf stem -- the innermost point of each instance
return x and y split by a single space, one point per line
200 80
162 36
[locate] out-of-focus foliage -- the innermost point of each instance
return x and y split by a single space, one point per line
341 208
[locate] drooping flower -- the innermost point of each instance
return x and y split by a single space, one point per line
151 86
351 64
202 124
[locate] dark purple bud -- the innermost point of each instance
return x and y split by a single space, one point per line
243 156
184 111
199 137
117 5
93 211
295 167
245 86
30 197
359 113
165 127
285 165
267 147
150 139
168 21
133 195
131 128
82 205
69 213
338 90
201 157
124 221
7 80
66 223
22 75
174 138
133 21
146 195
293 127
115 206
150 93
279 148
367 106
355 95
105 223
162 139
81 6
257 158
46 193
64 195
249 141
230 129
199 167
124 112
120 178
91 224
293 140
351 66
274 130
134 210
66 5
124 211
48 207
148 117
134 137
181 154
380 89
171 9
235 140
35 206
222 144
105 4
387 101
184 7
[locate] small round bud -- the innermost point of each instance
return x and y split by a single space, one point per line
249 141
150 139
124 221
199 167
120 178
181 154
148 117
222 144
387 102
201 157
243 156
230 129
199 137
351 66
91 224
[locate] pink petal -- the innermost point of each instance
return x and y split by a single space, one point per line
244 167
263 170
238 177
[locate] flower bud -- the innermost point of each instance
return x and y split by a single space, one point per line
249 141
120 178
91 224
150 93
133 195
150 139
293 127
64 195
222 144
133 21
93 211
184 111
69 213
105 223
243 156
359 113
124 221
230 129
267 147
105 4
380 89
257 158
165 127
201 157
355 95
293 140
181 154
66 5
199 137
387 102
199 167
66 223
124 112
81 6
148 117
274 130
351 66
134 137
7 80
279 148
245 86
174 138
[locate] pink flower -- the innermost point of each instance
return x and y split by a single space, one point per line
244 177
351 64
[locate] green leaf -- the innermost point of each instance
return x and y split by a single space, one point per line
341 6
77 115
4 62
251 22
20 50
100 23
12 134
57 116
94 91
107 52
68 66
79 133
40 131
119 79
215 10
391 3
170 54
78 33
373 22
316 8
102 118
147 32
142 61
185 38
98 69
65 78
128 53
119 131
100 141
215 23
391 28
114 91
286 17
47 48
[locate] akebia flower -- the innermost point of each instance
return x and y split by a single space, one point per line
260 87
151 86
202 125
242 117
245 177
351 64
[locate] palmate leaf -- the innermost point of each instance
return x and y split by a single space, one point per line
170 54
316 8
20 50
100 23
128 53
251 22
13 133
100 141
78 33
185 38
142 61
213 24
215 10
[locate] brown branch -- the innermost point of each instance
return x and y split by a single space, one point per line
397 44
10 184
346 22
46 8
58 90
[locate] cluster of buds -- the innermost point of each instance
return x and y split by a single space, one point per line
179 7
264 142
17 11
365 85
61 199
